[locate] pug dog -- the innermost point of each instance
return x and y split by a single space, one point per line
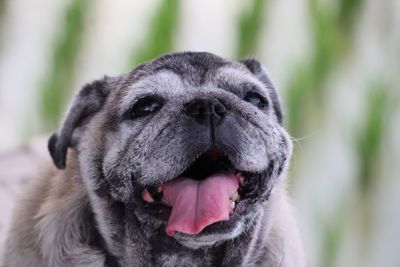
180 162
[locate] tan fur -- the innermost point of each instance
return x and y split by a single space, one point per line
46 222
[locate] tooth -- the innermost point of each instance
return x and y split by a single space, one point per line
235 196
146 196
241 179
232 204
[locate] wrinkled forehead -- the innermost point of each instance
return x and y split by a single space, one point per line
167 82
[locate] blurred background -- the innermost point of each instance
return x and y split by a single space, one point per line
336 64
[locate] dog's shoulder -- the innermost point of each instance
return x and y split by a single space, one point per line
49 222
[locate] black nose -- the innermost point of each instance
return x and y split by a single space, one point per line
206 109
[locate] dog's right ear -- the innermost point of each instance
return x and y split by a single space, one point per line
260 72
86 103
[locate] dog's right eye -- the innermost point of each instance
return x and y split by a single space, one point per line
145 106
257 100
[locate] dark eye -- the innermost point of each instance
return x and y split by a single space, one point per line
145 106
257 100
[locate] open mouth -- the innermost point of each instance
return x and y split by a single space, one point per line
207 192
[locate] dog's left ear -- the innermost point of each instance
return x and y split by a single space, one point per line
86 103
260 72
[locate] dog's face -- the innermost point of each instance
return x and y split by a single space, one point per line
190 142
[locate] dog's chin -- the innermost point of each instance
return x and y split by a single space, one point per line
208 238
220 232
245 201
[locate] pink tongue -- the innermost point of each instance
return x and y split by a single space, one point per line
197 204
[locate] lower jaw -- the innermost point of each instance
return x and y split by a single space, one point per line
213 235
244 210
203 241
210 238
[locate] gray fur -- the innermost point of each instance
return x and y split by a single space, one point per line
91 213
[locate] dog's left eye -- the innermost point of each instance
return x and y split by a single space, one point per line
145 106
257 100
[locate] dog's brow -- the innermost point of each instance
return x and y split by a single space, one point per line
129 98
235 80
157 84
228 86
237 88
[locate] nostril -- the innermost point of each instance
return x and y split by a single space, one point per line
196 108
203 108
192 110
220 109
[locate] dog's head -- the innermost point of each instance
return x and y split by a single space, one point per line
191 142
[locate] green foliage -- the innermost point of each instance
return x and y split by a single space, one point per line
3 10
249 27
57 85
332 236
298 99
329 45
326 46
306 86
161 33
348 10
331 40
3 6
371 135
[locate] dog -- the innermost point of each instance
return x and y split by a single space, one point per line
180 162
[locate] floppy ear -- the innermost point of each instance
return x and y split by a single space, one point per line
86 103
260 72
